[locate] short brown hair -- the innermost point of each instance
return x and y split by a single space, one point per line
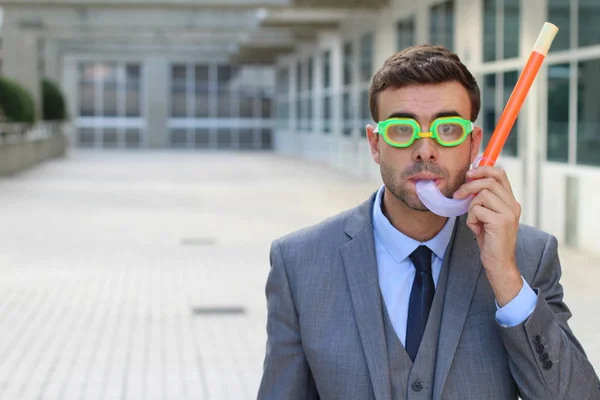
423 64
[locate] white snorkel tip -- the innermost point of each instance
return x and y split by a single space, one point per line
431 196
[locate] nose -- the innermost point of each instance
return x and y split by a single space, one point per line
425 149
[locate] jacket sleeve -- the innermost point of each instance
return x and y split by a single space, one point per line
545 358
286 373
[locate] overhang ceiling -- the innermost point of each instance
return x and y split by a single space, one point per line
246 31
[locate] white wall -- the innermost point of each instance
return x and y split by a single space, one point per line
555 207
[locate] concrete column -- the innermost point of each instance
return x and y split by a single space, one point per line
294 94
156 101
468 38
337 76
422 23
70 85
52 61
385 39
317 93
20 57
530 150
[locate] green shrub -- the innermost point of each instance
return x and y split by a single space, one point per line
53 102
16 102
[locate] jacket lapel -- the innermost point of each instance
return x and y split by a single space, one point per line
361 271
464 268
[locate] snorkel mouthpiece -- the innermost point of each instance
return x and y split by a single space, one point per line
431 196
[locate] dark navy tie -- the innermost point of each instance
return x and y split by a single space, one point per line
421 298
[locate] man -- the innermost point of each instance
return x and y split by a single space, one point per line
390 301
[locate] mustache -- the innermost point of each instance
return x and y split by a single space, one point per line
422 167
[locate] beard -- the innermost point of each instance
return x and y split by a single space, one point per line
396 183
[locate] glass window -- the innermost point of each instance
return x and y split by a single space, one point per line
283 114
224 105
110 137
327 113
178 91
588 113
133 137
449 24
558 113
489 108
110 89
202 105
327 69
405 33
266 139
86 90
202 138
225 73
441 24
347 113
366 57
224 92
299 86
309 118
589 28
489 29
201 88
224 138
246 138
434 25
347 63
246 104
505 13
364 107
283 79
201 78
132 90
511 28
266 106
86 137
559 13
310 74
178 137
299 114
512 142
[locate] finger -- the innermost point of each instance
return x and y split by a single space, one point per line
497 173
474 224
492 202
482 215
490 184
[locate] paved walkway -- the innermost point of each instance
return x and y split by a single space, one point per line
141 275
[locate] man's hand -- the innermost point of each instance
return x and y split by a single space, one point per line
493 217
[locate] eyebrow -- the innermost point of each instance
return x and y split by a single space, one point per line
450 113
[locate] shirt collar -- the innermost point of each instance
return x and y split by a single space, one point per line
400 246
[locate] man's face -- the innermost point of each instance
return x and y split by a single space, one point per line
425 158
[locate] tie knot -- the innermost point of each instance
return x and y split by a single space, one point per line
421 258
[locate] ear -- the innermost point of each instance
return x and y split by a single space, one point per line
476 138
373 143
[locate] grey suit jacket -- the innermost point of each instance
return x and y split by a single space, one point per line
326 336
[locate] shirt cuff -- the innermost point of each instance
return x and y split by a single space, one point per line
518 309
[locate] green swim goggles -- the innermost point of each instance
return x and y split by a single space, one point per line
447 131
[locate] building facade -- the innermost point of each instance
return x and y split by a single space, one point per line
551 155
150 102
198 75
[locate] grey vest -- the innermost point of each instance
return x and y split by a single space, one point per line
415 381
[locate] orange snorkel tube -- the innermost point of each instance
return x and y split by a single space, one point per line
517 98
428 191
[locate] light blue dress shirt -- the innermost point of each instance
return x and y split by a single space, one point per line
396 271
